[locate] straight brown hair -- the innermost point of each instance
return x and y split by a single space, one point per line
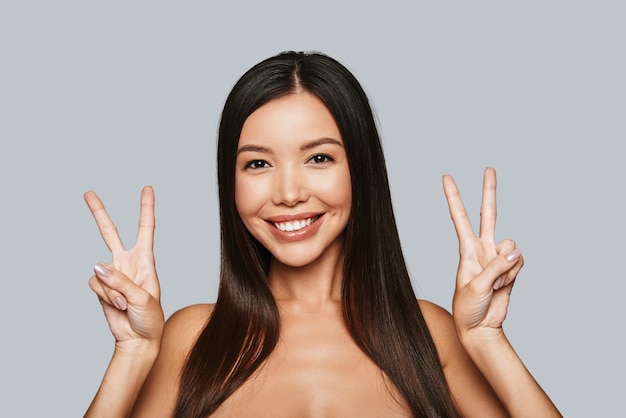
379 304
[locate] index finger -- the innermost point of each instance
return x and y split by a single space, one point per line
145 234
461 221
107 228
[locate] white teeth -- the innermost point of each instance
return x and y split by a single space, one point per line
295 225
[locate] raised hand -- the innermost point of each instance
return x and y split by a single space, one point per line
487 270
128 286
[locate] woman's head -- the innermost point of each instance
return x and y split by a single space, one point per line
333 84
292 181
379 305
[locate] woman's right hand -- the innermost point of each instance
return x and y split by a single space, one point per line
128 286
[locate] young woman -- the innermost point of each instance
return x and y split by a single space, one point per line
315 315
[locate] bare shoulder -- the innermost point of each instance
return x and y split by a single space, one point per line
434 313
160 391
181 331
470 392
188 322
441 327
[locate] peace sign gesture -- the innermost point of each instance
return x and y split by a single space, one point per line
487 270
128 287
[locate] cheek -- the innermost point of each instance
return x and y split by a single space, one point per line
337 189
344 186
245 198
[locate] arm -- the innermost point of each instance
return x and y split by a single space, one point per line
159 393
128 290
122 382
484 282
471 393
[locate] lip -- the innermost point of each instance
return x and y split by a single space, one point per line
294 217
300 234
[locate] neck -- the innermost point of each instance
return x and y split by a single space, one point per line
309 287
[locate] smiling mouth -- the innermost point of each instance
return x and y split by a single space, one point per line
295 225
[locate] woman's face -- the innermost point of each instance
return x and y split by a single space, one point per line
292 181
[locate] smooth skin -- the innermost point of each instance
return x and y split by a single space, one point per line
484 281
131 307
136 351
315 360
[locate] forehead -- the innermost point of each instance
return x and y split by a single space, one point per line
292 118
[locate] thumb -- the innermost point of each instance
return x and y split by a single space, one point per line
497 268
119 286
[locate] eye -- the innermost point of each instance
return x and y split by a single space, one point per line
321 159
256 164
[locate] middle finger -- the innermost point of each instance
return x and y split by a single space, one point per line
488 210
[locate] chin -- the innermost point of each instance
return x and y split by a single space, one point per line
295 261
308 256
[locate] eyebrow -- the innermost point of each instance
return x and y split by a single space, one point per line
253 148
307 146
320 141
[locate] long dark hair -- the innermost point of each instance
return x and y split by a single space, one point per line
379 304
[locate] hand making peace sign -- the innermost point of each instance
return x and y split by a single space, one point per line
486 270
128 287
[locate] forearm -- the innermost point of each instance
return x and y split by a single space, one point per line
517 389
122 382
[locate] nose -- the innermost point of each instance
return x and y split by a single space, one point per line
290 187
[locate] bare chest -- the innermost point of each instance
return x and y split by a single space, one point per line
315 371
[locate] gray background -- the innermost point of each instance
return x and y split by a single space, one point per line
112 96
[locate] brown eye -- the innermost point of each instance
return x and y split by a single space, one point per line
321 159
257 164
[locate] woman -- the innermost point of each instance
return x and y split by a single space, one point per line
315 314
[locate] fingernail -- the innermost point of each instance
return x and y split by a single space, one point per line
102 270
514 255
498 283
120 303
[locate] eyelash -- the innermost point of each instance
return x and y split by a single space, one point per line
254 164
261 164
327 159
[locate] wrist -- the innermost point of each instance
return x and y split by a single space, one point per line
483 341
144 350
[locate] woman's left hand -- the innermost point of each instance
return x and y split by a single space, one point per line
487 270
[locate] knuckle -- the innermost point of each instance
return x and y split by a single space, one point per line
473 287
508 242
500 265
143 298
488 212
